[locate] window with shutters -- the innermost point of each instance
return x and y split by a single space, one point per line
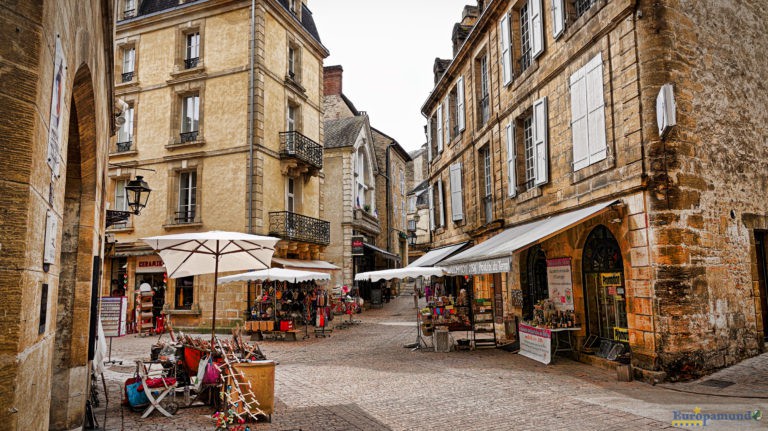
486 183
505 40
431 130
483 90
525 39
531 33
588 114
530 162
453 115
558 17
439 203
527 155
440 128
457 199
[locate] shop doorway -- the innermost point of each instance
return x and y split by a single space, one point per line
157 282
762 276
604 291
535 284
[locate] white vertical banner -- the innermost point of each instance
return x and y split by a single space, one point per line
55 123
51 228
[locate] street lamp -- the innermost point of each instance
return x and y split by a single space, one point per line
137 193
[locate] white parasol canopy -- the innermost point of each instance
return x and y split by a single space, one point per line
399 273
277 274
188 254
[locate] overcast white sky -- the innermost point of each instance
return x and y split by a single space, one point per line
387 49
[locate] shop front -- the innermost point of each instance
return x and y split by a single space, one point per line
557 285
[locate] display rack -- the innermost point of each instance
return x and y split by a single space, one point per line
144 305
483 333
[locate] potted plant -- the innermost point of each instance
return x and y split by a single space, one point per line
367 208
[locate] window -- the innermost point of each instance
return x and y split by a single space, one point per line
485 156
43 309
531 143
457 200
184 293
187 197
292 6
484 102
402 182
588 114
130 9
290 195
291 118
581 6
529 154
525 39
511 160
125 132
412 225
403 214
506 50
432 217
190 118
192 56
129 63
558 18
440 128
455 107
294 61
460 115
291 62
412 204
121 201
440 202
531 33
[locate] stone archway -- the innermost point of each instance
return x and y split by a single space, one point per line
70 371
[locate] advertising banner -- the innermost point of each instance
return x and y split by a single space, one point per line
536 343
560 283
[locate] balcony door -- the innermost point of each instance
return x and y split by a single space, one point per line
290 207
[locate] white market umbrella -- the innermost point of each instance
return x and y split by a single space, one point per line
400 273
276 274
188 254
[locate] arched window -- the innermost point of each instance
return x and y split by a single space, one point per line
535 287
604 291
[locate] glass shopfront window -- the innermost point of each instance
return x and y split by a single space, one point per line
605 293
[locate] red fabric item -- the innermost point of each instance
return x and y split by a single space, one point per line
159 382
159 325
192 360
286 325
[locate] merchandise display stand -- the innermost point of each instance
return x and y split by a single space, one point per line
483 332
144 312
420 343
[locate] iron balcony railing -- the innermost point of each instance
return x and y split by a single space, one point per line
127 76
295 145
189 63
188 136
123 147
296 227
185 216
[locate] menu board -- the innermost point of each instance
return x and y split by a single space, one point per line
113 315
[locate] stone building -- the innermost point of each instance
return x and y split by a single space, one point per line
556 142
225 124
360 206
56 102
417 213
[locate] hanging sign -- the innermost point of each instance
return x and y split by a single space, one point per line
358 243
560 283
149 264
535 343
610 279
51 229
55 123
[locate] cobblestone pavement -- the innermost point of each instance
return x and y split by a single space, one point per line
361 378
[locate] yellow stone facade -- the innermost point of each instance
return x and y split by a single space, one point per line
240 177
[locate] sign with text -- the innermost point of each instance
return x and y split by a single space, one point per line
113 315
51 229
535 343
610 279
358 244
560 283
55 122
490 266
149 264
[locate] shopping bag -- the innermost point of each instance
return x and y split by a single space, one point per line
211 376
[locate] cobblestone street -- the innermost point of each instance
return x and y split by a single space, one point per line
361 378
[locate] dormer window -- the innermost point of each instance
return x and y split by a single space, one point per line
130 9
291 62
292 6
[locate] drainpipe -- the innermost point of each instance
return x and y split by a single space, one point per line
251 97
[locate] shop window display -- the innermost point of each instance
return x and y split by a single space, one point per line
184 293
605 293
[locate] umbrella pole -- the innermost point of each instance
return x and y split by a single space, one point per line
215 290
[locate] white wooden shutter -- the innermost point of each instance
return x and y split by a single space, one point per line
441 198
540 141
457 200
558 18
537 27
440 128
431 199
460 104
506 50
595 109
447 110
429 140
511 156
579 120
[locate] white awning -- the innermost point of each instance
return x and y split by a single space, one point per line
303 264
276 274
494 255
434 257
400 273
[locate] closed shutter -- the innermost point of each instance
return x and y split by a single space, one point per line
506 49
441 204
440 128
596 109
558 18
431 199
447 110
511 156
540 141
429 140
579 120
457 200
536 26
460 104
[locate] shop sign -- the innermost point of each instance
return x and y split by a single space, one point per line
536 343
560 283
610 279
358 246
150 264
491 266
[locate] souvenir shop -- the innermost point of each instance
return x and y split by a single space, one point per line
279 308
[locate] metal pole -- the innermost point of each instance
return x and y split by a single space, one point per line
215 289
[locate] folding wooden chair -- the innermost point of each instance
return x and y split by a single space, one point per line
161 386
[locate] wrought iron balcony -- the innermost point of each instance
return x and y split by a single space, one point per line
189 136
187 216
297 227
189 63
294 145
129 13
123 147
127 76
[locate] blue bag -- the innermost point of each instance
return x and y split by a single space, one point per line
135 397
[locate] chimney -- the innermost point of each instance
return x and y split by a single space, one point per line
440 67
332 76
470 15
460 33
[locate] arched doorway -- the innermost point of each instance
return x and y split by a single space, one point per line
535 287
604 291
79 228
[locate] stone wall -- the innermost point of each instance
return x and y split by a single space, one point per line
704 183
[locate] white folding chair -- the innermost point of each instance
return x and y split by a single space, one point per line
162 392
